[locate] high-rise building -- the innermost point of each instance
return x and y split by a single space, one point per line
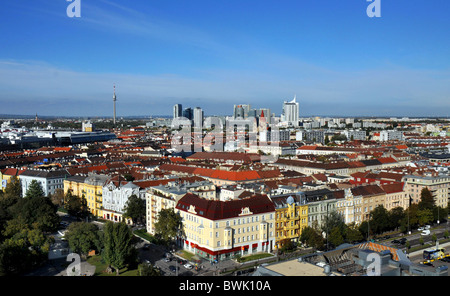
177 111
291 112
241 110
188 113
198 117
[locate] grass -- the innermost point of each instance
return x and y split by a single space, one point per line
254 257
145 235
100 268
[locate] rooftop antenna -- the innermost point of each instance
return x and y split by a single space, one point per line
114 100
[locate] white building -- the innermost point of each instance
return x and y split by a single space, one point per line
115 196
391 135
50 180
291 112
198 117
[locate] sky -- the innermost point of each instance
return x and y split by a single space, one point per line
330 54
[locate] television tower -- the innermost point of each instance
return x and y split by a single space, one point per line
114 100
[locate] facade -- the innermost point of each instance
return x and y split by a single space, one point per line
93 192
438 185
177 111
395 196
391 135
291 217
50 180
166 197
6 174
198 117
355 135
291 112
115 195
219 230
159 198
320 204
74 184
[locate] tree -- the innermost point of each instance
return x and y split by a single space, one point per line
424 216
353 235
58 197
312 238
396 216
118 245
168 225
76 206
426 199
148 270
13 188
135 209
379 221
335 237
37 209
34 190
83 237
25 246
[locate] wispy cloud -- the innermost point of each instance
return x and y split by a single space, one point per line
392 91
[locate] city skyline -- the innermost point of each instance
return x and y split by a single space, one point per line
331 55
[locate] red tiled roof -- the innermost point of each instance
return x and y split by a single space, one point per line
217 210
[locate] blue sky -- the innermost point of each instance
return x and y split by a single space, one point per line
215 54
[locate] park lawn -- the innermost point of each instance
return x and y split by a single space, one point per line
100 268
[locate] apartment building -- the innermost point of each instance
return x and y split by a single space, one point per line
439 185
291 217
219 230
395 196
50 180
166 197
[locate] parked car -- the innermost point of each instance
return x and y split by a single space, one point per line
400 241
188 266
166 259
427 227
425 232
421 228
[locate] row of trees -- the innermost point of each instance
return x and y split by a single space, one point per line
24 227
335 232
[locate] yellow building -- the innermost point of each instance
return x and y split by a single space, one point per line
74 184
219 230
91 187
6 174
291 217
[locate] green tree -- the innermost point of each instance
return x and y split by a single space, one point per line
34 190
148 270
83 237
13 188
353 234
37 209
168 225
118 246
135 209
76 206
396 216
312 238
424 216
25 246
426 199
335 237
379 219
